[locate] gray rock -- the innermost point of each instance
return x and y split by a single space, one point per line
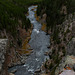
46 53
69 61
30 49
11 74
0 67
71 47
37 71
3 44
1 54
13 71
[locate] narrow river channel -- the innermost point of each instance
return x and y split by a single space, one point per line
39 43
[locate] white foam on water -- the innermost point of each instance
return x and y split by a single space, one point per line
37 31
31 70
37 59
24 65
32 21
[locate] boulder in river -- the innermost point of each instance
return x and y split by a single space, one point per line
13 71
38 71
11 74
46 53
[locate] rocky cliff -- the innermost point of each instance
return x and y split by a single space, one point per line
18 49
62 48
66 47
3 50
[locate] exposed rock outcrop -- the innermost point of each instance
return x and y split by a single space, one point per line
62 44
67 63
11 74
68 72
71 47
3 49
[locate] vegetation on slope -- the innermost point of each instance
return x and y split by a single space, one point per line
57 11
13 11
53 10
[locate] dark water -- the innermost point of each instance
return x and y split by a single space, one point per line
39 42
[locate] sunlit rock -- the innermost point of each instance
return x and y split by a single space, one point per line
11 74
66 64
67 72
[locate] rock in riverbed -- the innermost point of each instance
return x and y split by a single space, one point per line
38 71
3 45
46 53
13 71
11 74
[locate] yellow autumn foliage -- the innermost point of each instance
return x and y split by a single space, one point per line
43 28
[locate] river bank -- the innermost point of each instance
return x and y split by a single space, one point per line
61 48
39 43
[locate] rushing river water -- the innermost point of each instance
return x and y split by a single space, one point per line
39 43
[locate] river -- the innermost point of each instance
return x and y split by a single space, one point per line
39 43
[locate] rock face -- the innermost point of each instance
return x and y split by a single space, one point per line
68 72
3 45
11 74
71 47
67 63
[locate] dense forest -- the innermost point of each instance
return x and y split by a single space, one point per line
11 12
53 10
